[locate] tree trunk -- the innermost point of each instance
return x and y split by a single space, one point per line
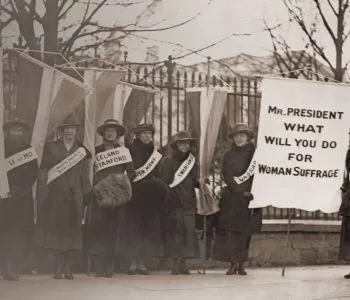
50 25
339 43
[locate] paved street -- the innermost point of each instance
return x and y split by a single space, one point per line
308 283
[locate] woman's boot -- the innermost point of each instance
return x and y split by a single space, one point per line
58 265
109 265
99 266
68 266
175 270
133 268
241 270
183 267
141 268
232 269
9 272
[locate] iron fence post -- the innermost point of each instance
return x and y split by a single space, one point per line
170 66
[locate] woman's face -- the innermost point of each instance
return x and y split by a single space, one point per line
183 146
146 136
240 139
16 132
110 134
70 132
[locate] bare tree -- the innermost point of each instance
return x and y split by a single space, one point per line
47 20
330 20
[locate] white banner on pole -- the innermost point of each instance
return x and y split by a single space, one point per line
302 142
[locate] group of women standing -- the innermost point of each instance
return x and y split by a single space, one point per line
140 204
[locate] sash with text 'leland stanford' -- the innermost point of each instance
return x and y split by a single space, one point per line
184 169
112 157
148 167
247 174
66 164
20 158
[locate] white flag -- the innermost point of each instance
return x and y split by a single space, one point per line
206 108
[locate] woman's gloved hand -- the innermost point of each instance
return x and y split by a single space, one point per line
248 196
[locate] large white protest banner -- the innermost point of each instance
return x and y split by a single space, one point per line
302 142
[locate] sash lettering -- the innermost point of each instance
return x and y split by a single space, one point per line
111 158
247 174
20 159
66 164
148 167
182 172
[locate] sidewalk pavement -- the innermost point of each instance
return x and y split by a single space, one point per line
299 283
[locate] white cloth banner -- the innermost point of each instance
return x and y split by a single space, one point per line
148 167
302 142
111 158
206 107
66 164
183 171
96 106
4 185
21 158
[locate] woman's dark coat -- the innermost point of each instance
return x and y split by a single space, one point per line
17 212
344 211
234 212
179 221
61 210
142 230
236 221
103 228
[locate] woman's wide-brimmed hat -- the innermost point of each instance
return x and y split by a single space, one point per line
14 123
242 128
70 122
111 123
182 136
143 127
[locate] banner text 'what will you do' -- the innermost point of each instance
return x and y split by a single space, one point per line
302 143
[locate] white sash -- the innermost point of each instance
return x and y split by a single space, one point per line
148 167
247 174
66 164
112 157
20 158
182 172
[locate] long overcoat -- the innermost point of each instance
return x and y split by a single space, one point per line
236 221
179 221
142 230
17 212
344 211
103 229
61 209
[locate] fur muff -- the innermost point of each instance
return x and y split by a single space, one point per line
113 191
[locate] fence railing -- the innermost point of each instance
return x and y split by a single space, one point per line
169 111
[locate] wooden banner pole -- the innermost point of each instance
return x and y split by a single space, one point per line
287 242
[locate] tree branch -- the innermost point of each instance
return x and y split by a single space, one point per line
332 7
325 22
313 42
71 40
69 7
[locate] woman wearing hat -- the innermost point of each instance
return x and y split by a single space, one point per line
344 211
143 229
179 172
65 169
112 190
235 224
16 211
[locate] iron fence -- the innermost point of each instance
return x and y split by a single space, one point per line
169 111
